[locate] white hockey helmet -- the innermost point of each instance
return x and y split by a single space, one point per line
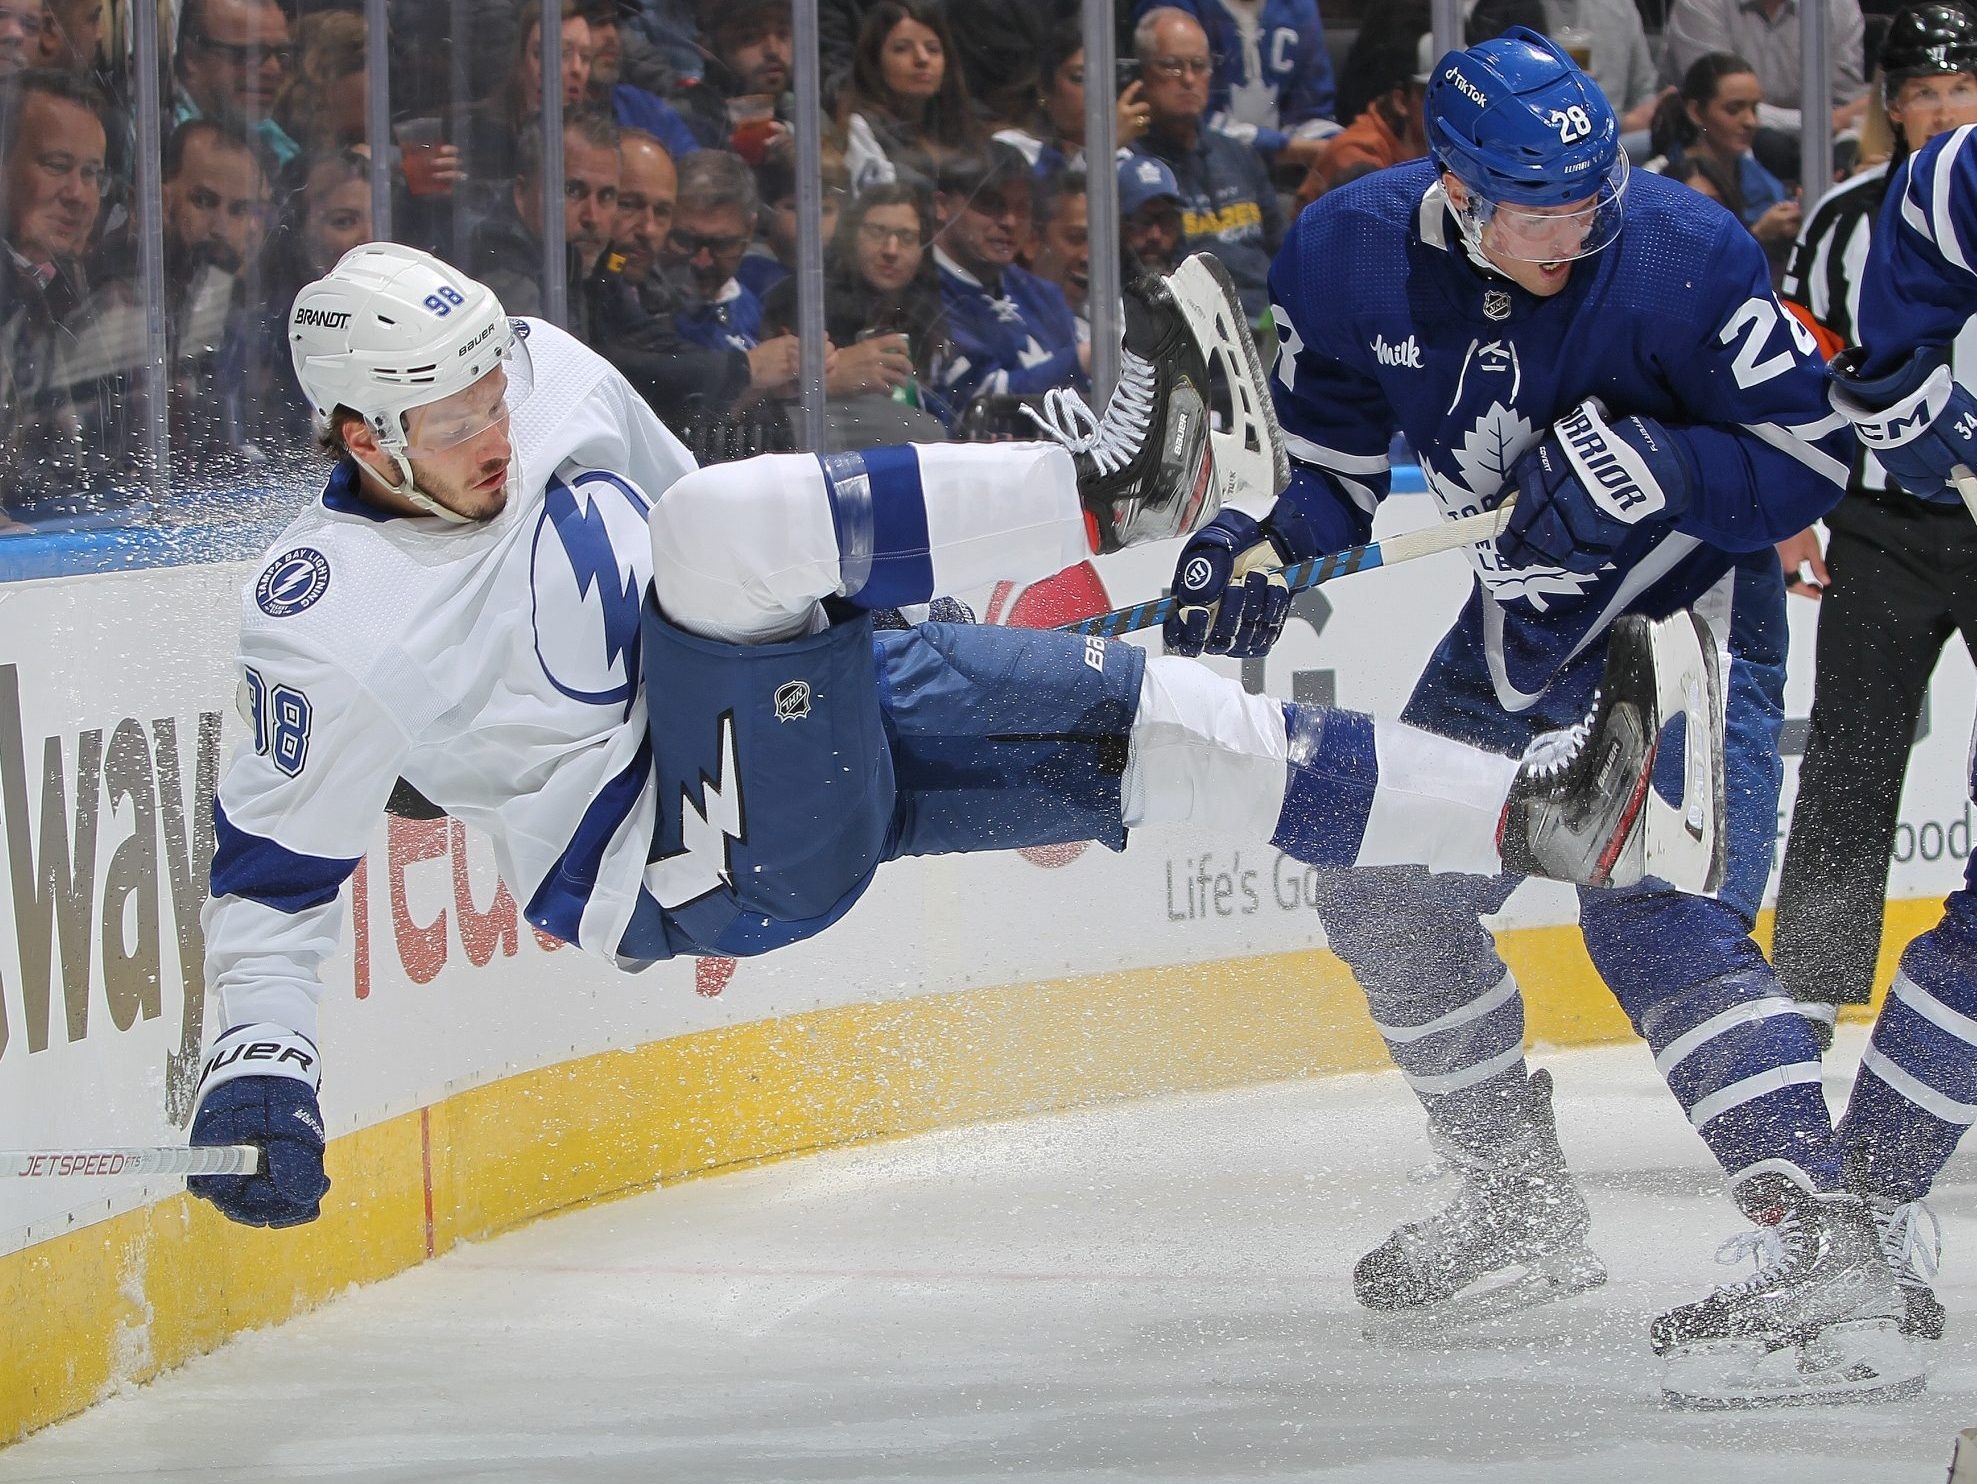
391 328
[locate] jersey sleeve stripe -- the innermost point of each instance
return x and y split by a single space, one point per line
1332 460
261 870
558 904
1947 240
1791 441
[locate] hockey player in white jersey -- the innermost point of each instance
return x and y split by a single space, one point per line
658 689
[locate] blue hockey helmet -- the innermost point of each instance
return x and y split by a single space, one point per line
1527 132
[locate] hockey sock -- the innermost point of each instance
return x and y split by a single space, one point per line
1917 1088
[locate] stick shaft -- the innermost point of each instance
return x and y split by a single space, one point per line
218 1159
1445 535
1966 485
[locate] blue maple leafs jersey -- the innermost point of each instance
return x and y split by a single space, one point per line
1017 340
1919 288
1388 326
1269 81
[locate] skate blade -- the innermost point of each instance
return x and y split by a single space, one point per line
1860 1361
1684 843
1251 466
1476 1313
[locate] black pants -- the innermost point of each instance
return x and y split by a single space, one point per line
1904 577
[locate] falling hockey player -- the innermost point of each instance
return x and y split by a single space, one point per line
659 690
1612 351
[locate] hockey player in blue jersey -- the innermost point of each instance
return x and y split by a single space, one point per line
1916 1092
659 691
1611 350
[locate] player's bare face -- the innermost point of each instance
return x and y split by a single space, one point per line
460 450
1533 246
1928 106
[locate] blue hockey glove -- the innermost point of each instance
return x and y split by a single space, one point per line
1585 487
1231 601
259 1088
1916 420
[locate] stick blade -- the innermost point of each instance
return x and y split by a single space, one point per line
1685 841
1251 465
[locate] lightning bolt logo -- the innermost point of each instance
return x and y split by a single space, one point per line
709 830
599 545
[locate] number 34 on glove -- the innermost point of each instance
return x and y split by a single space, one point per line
1585 487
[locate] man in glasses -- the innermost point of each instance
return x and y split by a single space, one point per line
232 60
1013 334
1228 205
1629 375
713 223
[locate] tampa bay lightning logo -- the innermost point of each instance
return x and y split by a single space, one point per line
293 581
587 574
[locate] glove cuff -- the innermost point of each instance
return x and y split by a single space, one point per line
1612 471
260 1051
1897 408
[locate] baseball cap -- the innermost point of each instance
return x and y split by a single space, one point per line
1142 179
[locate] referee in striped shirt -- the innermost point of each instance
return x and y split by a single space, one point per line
1899 575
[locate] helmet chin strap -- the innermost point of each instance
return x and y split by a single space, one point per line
1468 225
406 487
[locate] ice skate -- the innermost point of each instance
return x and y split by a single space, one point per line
1912 1246
1819 1321
1519 1209
1583 808
1151 467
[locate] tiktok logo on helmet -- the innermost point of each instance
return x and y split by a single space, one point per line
588 572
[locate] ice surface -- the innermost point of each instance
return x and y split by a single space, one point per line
1147 1291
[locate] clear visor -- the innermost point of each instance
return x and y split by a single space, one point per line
1550 234
439 427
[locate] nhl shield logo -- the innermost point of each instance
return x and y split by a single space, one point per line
793 700
1496 304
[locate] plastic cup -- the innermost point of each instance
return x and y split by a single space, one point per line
419 143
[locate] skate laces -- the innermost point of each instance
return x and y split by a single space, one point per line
1551 753
1111 442
1769 1248
1911 1240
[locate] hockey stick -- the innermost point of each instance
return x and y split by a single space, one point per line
1442 536
214 1159
1966 485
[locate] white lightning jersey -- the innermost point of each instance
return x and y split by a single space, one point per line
492 666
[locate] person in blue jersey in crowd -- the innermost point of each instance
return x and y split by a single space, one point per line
1916 1092
1272 87
1012 333
1535 321
658 690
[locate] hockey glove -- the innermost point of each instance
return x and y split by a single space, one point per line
259 1088
1585 487
1230 597
1916 420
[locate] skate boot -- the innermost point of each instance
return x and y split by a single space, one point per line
1818 1321
1151 467
1583 808
1517 1209
1912 1246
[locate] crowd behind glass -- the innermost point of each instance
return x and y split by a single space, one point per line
955 215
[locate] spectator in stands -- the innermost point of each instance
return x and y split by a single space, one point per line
741 102
882 310
51 191
713 222
1012 332
1766 32
1272 83
323 105
838 25
1060 240
1389 129
904 111
772 257
316 226
1054 137
232 60
1000 47
20 35
496 125
1150 214
634 107
71 34
632 304
1714 115
1617 53
507 247
1706 178
1229 206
